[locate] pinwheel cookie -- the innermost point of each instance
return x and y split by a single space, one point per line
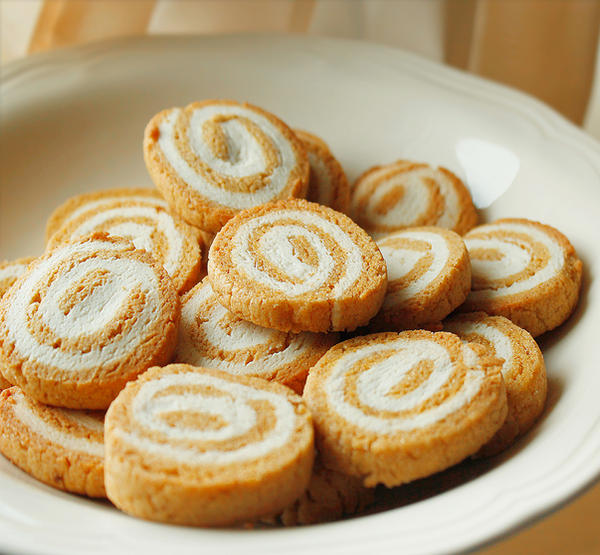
429 275
85 318
328 184
216 157
140 215
329 496
410 194
60 447
202 447
211 336
297 266
391 408
525 271
523 371
9 272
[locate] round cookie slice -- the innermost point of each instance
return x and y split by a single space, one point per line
523 370
429 275
525 271
143 217
410 194
87 317
330 496
393 407
328 184
60 447
73 207
202 447
212 337
214 158
9 272
297 266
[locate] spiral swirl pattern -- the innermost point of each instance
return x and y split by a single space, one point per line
523 370
223 448
525 271
388 406
428 276
212 337
225 156
242 412
145 220
407 194
90 313
378 405
295 254
10 271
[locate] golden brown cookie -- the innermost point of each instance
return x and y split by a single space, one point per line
429 275
141 216
393 407
202 447
73 207
297 266
60 447
212 337
404 194
87 317
329 496
328 184
214 158
525 271
523 370
10 271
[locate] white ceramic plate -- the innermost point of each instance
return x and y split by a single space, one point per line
73 121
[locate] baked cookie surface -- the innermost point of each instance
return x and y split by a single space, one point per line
60 447
297 266
214 158
141 216
329 496
9 272
212 337
328 184
524 270
85 318
404 194
429 275
202 447
393 407
523 370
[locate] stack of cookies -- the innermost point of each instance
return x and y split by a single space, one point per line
255 340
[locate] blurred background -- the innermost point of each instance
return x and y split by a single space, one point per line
547 48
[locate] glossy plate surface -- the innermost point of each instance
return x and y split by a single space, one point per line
72 121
